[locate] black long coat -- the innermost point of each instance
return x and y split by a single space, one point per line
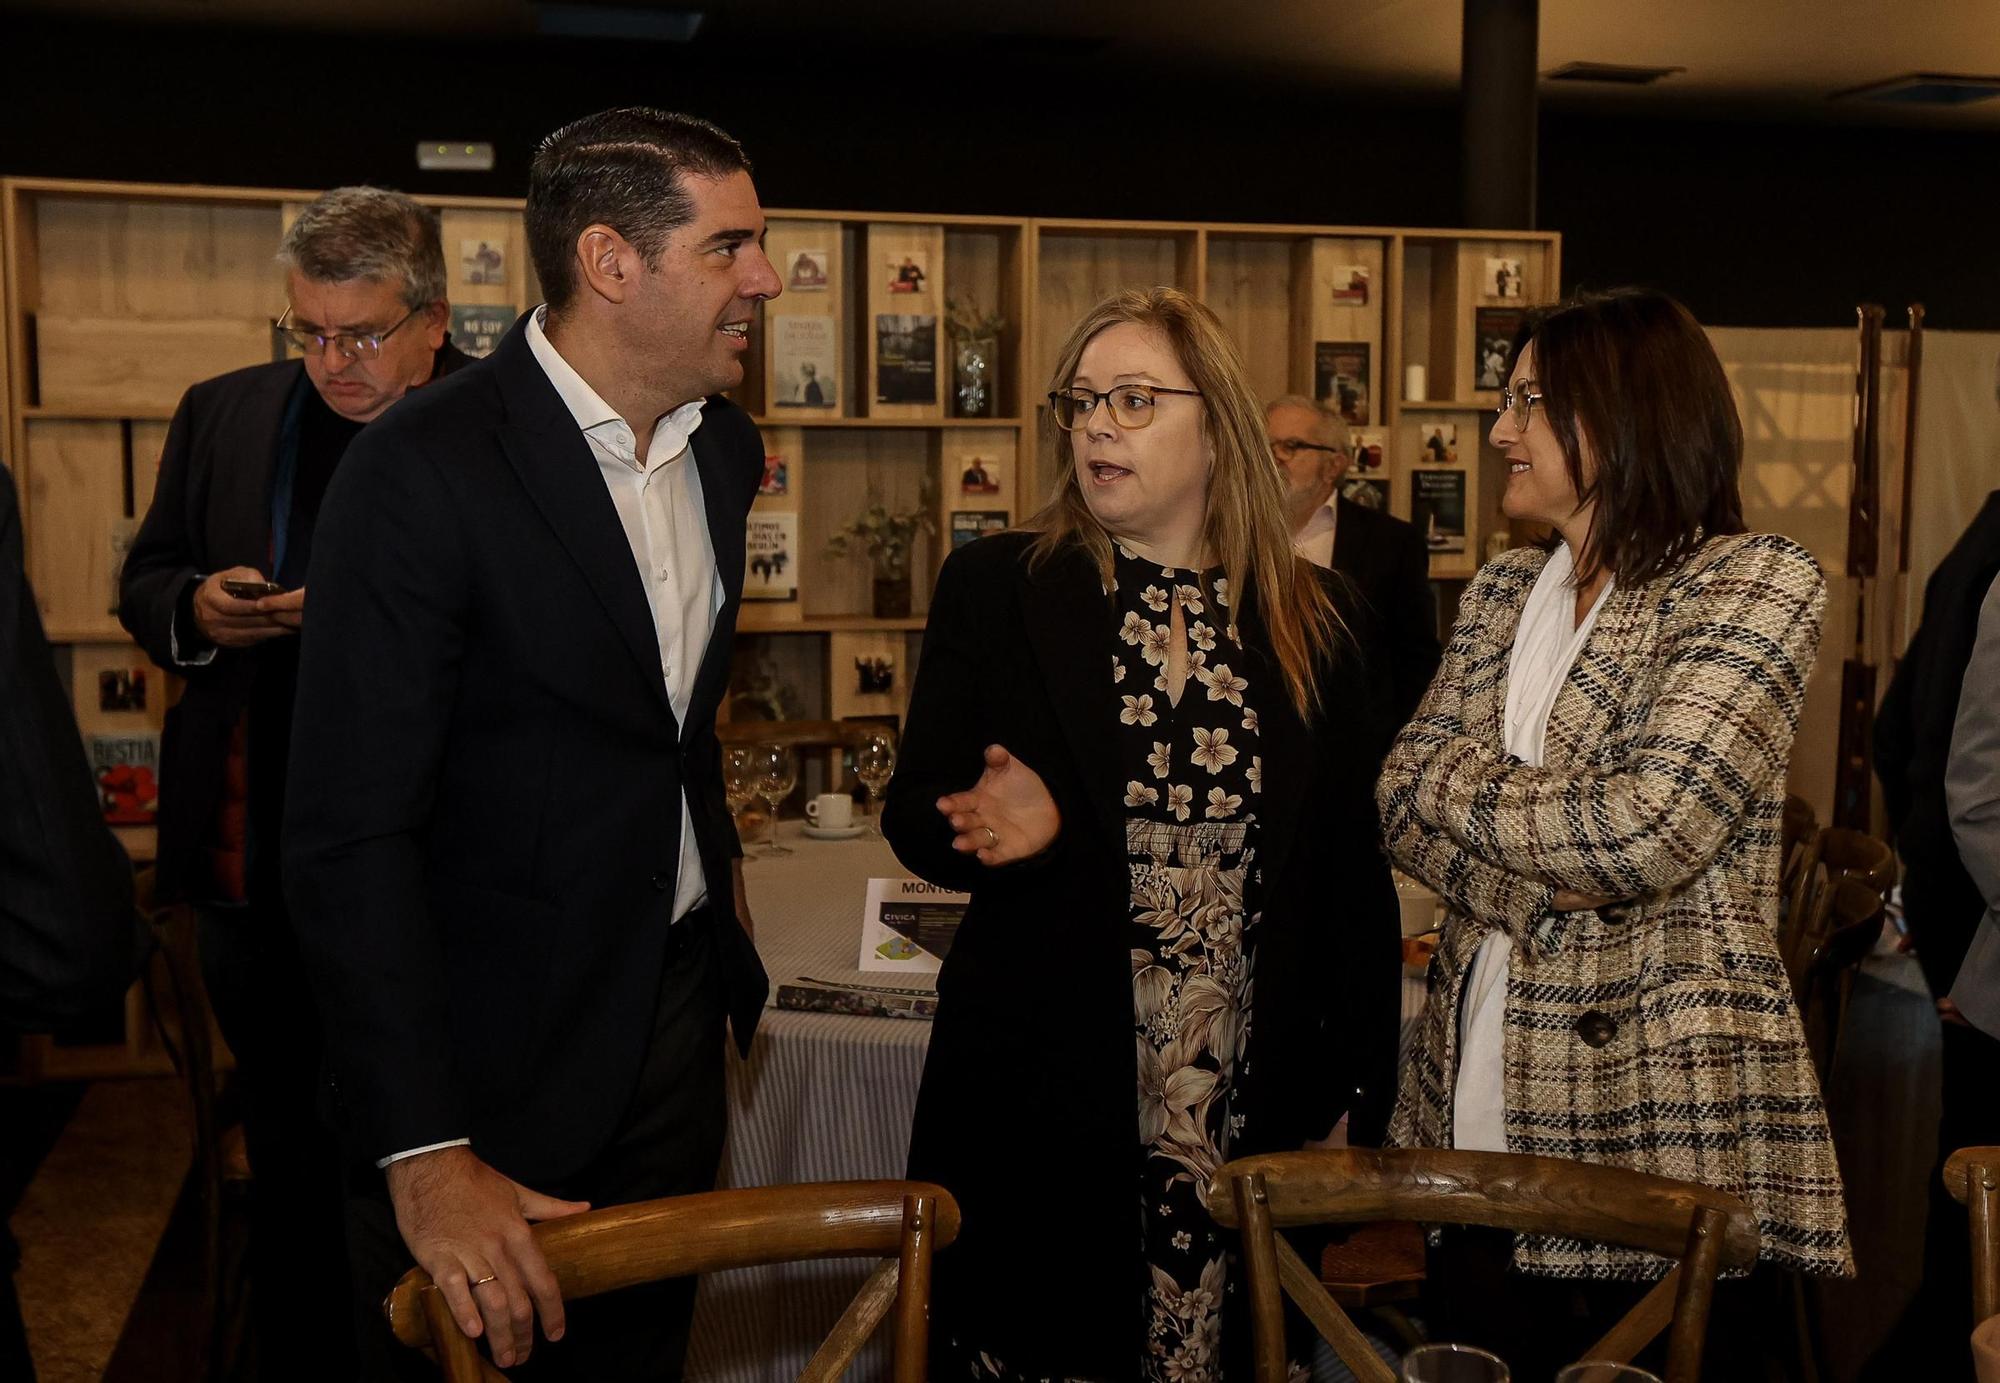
1029 1108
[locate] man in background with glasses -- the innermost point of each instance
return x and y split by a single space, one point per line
214 589
1383 556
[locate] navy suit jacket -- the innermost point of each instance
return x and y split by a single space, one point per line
483 817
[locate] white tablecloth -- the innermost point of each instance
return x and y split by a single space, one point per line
823 1097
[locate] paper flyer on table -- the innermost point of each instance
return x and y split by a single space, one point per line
908 925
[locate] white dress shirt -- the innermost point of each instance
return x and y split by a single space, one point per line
1546 643
659 502
1314 542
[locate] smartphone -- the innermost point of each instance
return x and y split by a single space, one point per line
250 590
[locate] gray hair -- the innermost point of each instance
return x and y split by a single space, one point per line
1343 435
368 233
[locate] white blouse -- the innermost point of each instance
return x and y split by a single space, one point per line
1546 644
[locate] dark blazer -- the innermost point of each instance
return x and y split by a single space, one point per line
1028 1110
1390 567
69 940
211 510
1913 747
483 818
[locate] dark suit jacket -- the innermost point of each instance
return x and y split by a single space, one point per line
1913 746
69 940
211 510
1390 567
483 819
1028 1108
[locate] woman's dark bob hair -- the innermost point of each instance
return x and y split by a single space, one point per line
1631 376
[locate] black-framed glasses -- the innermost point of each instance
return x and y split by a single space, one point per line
361 345
1131 404
1288 448
1521 405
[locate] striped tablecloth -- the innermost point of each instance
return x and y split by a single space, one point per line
823 1097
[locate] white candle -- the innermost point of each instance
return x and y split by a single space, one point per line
1413 383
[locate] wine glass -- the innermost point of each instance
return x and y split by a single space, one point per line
777 775
740 777
1602 1371
874 761
1443 1363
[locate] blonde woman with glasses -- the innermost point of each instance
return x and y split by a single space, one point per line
1181 947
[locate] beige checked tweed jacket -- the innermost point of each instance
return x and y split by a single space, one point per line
1661 1034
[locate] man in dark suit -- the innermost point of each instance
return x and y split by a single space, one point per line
69 939
1913 743
248 458
1383 556
1943 906
507 845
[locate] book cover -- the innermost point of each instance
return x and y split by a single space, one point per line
1350 285
772 543
1493 331
1340 377
803 362
1437 508
908 925
906 357
477 328
1437 444
859 1002
969 525
127 769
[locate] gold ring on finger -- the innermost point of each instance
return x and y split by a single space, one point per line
490 1277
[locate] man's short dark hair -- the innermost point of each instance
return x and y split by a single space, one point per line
624 168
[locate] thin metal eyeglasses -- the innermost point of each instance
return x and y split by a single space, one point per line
1521 405
1131 404
353 345
1288 448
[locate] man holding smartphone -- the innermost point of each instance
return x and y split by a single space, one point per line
214 589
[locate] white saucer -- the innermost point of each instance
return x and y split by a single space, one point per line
834 832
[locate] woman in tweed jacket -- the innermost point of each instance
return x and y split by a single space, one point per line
1594 785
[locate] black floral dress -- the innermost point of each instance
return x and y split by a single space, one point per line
1193 772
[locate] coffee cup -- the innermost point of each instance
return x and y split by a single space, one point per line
831 811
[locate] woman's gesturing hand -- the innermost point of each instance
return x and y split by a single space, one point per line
1006 816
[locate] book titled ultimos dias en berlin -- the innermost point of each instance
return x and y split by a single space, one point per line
866 1001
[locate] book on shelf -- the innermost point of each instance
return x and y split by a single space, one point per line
862 1001
772 561
127 769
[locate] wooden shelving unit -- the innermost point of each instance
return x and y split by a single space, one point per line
117 296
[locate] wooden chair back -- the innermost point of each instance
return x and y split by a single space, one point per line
682 1236
1707 1230
1972 1175
1832 855
1848 923
1800 827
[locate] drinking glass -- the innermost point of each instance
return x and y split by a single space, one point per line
777 775
1604 1371
874 762
740 777
1453 1364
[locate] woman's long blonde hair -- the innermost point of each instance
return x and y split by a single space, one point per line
1243 525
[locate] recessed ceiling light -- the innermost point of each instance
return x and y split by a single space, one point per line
1620 74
